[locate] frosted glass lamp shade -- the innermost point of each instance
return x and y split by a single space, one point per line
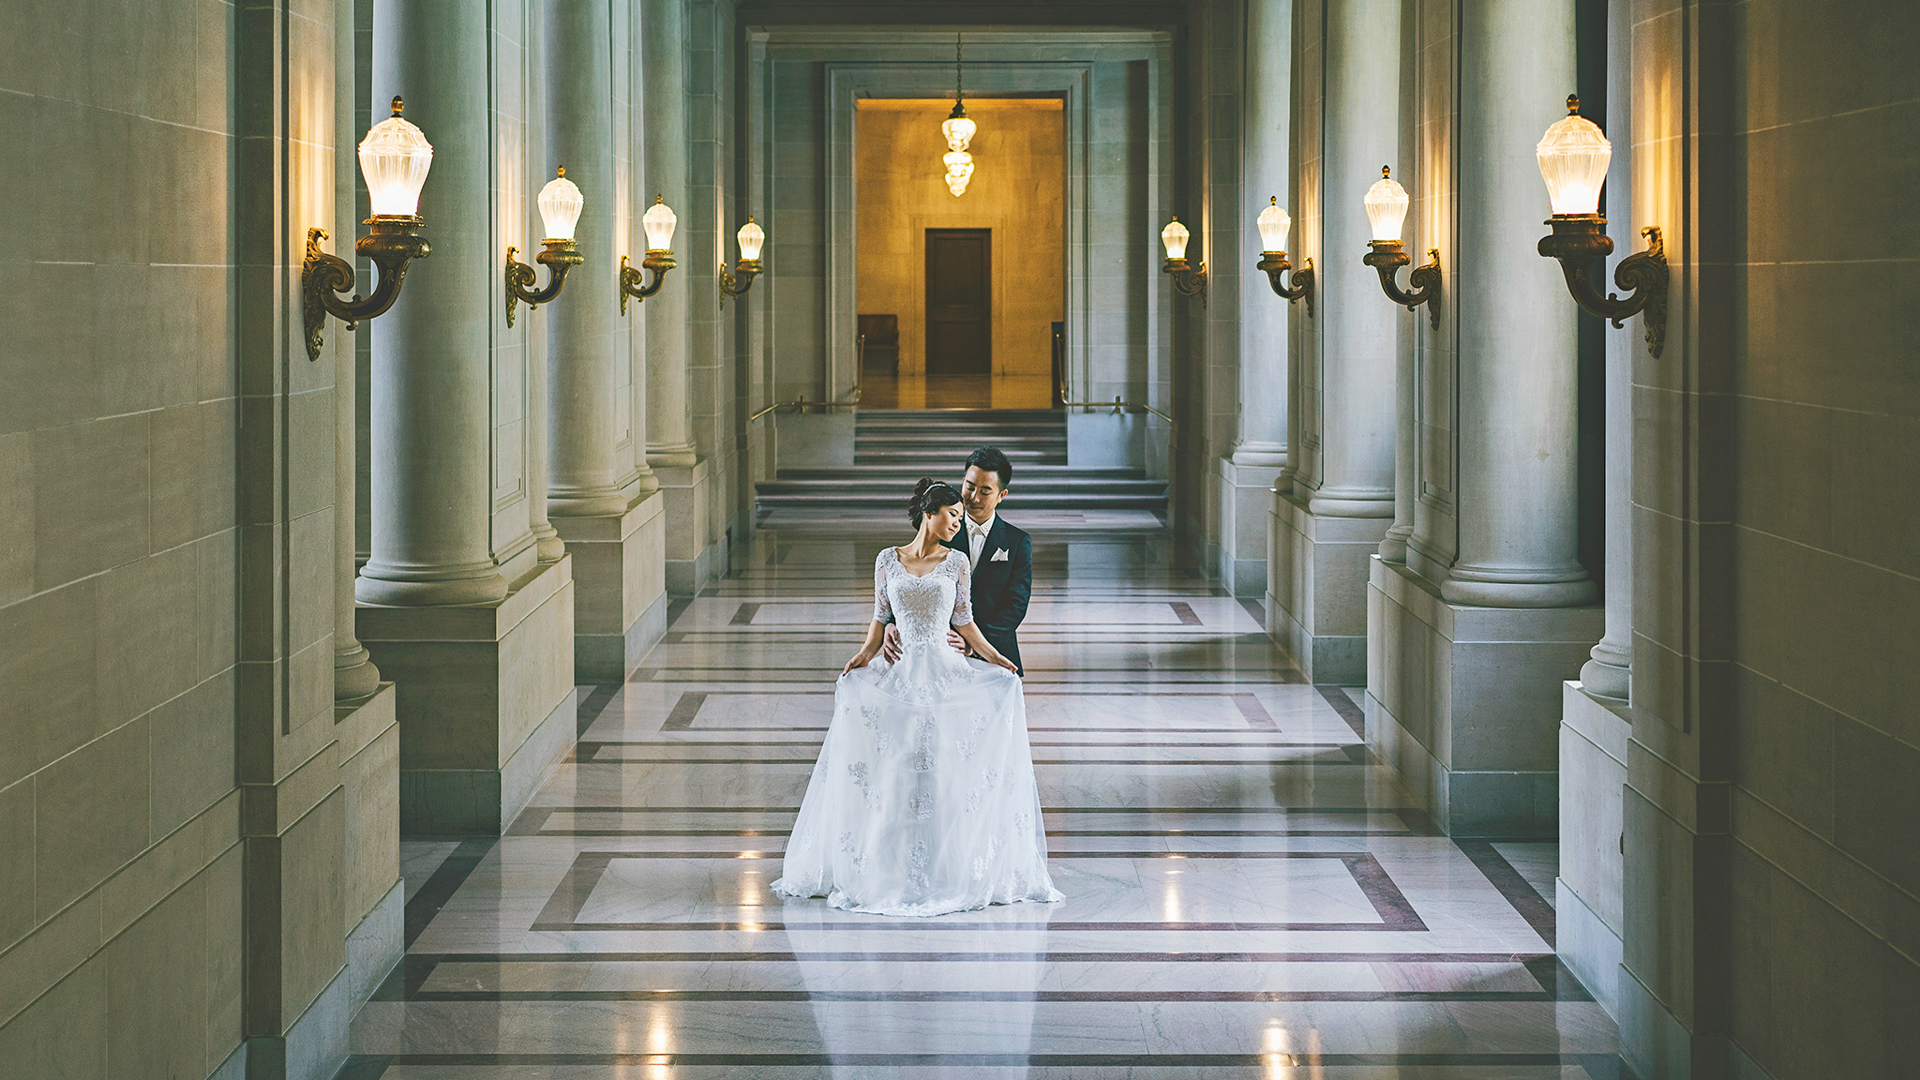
659 222
959 130
395 157
959 170
1174 238
560 204
1386 208
751 238
1573 161
1273 224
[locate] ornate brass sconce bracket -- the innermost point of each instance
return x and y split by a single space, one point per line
1188 281
1275 264
558 256
740 280
1387 257
1579 239
391 242
658 261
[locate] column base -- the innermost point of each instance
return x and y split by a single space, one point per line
485 700
1246 509
691 562
355 675
1609 674
1493 588
1317 587
1593 772
479 584
672 457
619 588
1463 702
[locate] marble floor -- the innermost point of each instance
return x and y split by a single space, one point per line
1248 892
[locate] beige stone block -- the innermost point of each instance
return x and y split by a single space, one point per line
170 863
49 954
188 171
310 438
216 561
1835 334
16 517
371 779
91 508
191 753
536 669
310 688
62 1036
310 581
1877 801
90 810
49 663
1874 518
310 949
1784 755
193 461
260 554
226 951
156 997
148 619
212 76
17 855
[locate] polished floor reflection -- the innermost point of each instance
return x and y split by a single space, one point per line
1248 894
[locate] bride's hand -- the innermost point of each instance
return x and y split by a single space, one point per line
860 659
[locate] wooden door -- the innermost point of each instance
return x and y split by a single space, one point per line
959 309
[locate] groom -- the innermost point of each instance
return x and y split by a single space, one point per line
1001 556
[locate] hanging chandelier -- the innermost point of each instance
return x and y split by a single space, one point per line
958 129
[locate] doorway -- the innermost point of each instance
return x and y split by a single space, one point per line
959 302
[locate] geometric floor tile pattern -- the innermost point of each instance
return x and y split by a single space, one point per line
1248 892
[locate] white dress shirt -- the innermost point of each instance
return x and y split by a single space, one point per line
977 538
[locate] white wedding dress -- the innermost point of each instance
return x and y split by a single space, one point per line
923 801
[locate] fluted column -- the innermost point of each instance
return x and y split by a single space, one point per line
581 374
669 424
354 673
1357 422
1518 403
1263 316
1609 673
431 392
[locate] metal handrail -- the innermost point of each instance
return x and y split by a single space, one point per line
1118 406
801 403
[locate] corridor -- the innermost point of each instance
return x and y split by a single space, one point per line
1247 894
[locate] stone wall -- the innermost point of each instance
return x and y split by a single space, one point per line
1018 191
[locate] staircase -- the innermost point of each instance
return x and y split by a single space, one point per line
894 448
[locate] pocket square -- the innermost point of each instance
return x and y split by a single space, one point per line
999 556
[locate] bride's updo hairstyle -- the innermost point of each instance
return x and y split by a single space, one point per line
930 495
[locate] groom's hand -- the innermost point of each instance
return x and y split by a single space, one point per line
959 643
890 645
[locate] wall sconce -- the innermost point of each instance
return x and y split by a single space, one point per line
751 237
394 158
1573 161
1387 213
1186 281
560 204
659 222
1273 224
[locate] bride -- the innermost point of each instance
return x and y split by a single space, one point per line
923 801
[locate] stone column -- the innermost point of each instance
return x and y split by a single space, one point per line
1518 396
1362 337
1608 673
581 376
1393 547
1265 162
1248 473
1330 520
354 673
669 424
432 370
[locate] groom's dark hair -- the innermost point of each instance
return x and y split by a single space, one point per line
990 459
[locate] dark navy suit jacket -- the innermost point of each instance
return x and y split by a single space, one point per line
1001 588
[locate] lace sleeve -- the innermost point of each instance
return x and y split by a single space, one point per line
882 609
962 588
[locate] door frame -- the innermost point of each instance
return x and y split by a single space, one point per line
926 298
